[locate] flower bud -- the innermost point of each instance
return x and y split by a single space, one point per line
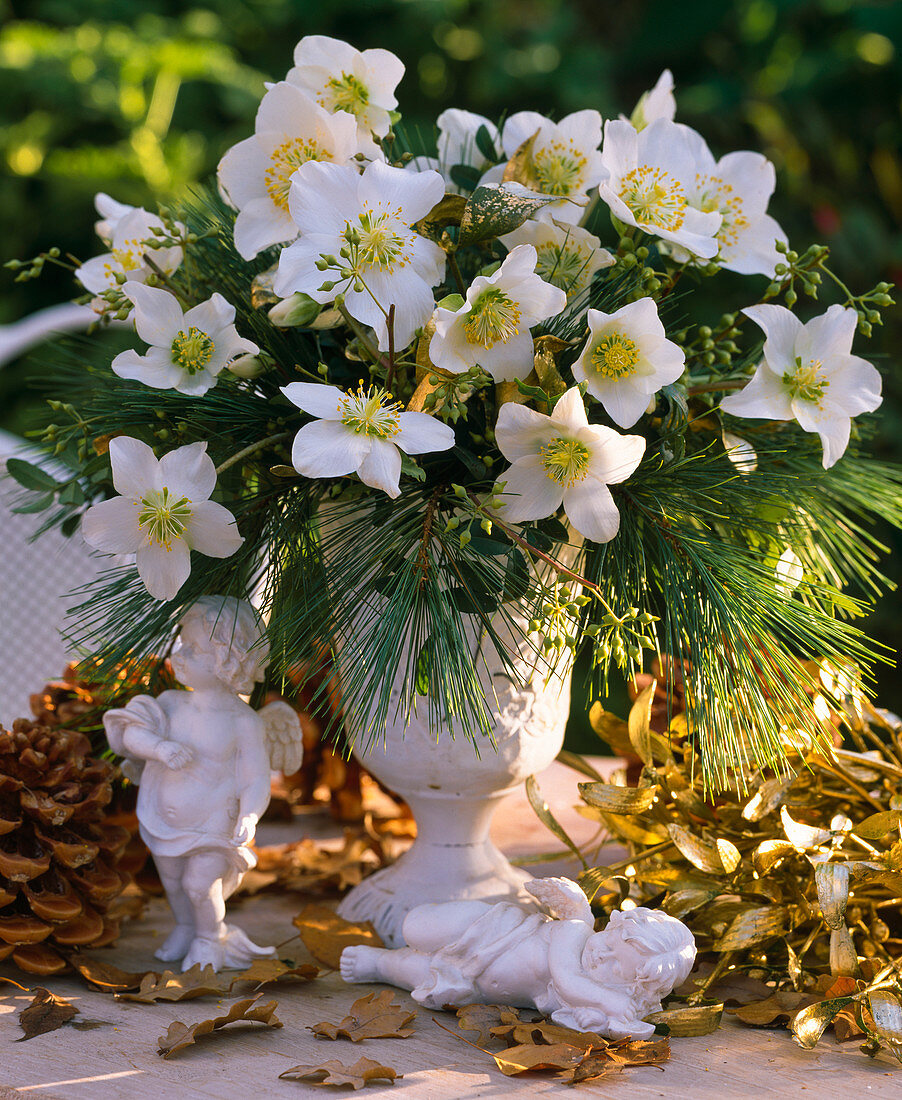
299 309
246 366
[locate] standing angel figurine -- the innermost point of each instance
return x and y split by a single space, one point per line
202 760
461 952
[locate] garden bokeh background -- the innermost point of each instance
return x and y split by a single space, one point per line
140 98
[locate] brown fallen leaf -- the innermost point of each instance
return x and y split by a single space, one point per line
46 1013
779 1008
182 1035
325 934
544 1031
483 1019
847 1024
616 1057
371 1017
529 1056
170 986
337 1073
263 971
107 977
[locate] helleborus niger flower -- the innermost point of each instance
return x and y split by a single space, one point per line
564 159
255 174
738 187
567 256
809 374
340 78
650 174
656 103
492 327
371 217
627 359
563 458
187 350
127 255
361 433
458 145
163 512
111 213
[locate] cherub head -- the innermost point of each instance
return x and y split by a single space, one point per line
221 641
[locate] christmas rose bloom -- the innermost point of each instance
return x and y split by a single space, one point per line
738 187
163 513
339 78
627 359
187 350
809 374
567 256
111 213
372 216
563 459
360 433
565 160
492 327
650 173
657 103
457 130
126 255
255 174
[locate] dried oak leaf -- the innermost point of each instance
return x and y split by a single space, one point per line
170 986
46 1013
551 1034
325 934
777 1008
182 1035
530 1056
616 1057
337 1073
371 1017
106 977
483 1020
263 971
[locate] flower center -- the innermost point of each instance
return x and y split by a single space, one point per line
377 240
562 266
371 412
494 319
566 461
806 381
559 168
615 355
715 195
162 517
192 350
284 161
653 197
346 93
129 256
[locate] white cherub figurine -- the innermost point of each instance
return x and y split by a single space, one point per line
202 759
461 952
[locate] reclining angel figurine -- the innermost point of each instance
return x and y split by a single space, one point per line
202 760
464 952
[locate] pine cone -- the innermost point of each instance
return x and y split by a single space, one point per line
58 853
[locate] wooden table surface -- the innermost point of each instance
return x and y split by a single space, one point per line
119 1060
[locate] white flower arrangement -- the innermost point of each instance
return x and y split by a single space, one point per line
445 346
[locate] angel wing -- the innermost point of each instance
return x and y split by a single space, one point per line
282 729
142 713
562 898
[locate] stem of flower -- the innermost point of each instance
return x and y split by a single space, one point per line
375 355
164 278
390 373
251 449
714 387
455 271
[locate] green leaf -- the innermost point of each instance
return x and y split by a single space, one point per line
411 468
484 143
424 667
465 176
37 505
537 538
477 469
72 495
554 529
70 525
516 576
28 475
493 211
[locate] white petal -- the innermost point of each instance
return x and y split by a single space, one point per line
754 251
96 274
210 316
158 315
298 272
855 384
763 398
521 431
421 433
326 448
261 224
613 457
381 468
240 173
514 358
155 369
164 571
112 526
529 492
591 509
189 472
831 333
415 195
782 328
212 530
623 400
196 385
570 411
135 467
323 196
620 150
520 127
835 438
449 348
322 401
752 177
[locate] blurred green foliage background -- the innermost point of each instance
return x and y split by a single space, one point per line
140 98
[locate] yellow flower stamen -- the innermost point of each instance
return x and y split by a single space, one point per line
566 461
559 168
284 162
493 319
192 350
654 197
806 382
371 412
718 196
615 355
162 517
563 266
377 240
345 93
